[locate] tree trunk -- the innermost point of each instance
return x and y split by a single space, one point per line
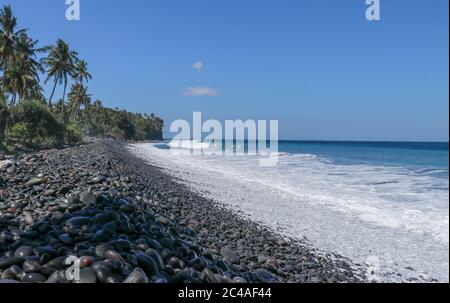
53 92
5 66
13 100
64 97
78 101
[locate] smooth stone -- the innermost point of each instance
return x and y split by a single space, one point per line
116 280
57 263
53 279
28 218
77 222
101 249
239 280
155 244
112 255
97 180
136 277
128 208
6 262
23 251
210 276
175 263
262 259
64 190
229 255
34 182
5 164
49 193
31 265
264 276
103 274
34 278
66 239
87 276
122 245
31 234
156 257
45 258
101 236
147 264
86 261
163 220
8 274
118 266
87 197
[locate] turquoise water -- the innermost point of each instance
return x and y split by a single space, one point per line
429 158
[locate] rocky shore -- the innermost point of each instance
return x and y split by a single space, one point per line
129 222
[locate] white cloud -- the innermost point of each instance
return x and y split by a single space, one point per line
199 66
200 91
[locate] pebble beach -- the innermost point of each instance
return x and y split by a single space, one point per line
128 222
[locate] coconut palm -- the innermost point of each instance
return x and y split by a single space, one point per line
81 74
78 97
61 64
9 36
20 78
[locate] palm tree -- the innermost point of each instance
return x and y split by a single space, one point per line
8 38
78 97
95 111
8 35
81 74
20 78
61 64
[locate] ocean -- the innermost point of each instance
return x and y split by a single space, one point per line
383 205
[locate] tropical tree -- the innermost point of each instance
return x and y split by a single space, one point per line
17 58
8 36
19 78
81 72
60 64
78 97
95 111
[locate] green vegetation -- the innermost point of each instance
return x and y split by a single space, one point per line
28 120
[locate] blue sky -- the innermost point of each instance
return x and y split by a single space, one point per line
318 66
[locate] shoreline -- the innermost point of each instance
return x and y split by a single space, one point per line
227 247
343 227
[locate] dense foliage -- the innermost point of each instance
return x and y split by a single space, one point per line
29 120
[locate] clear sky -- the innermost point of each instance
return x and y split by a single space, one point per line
318 66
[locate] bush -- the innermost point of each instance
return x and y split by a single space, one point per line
118 134
126 126
73 134
4 115
35 127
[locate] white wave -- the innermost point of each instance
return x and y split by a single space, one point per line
358 211
189 144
